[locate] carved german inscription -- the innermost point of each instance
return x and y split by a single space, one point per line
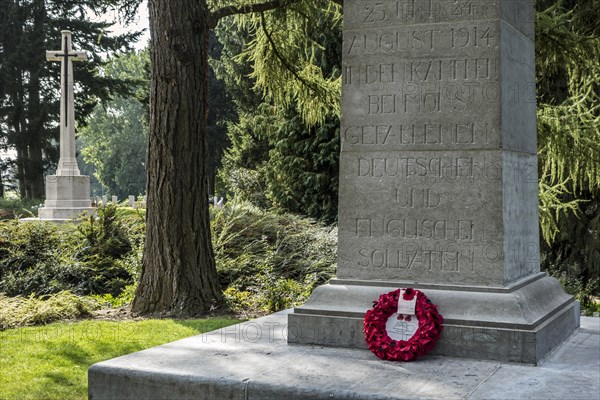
373 13
428 260
405 12
404 228
438 39
450 134
424 173
446 78
431 70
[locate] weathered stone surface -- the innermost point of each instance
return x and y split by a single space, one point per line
438 216
519 323
253 361
438 135
66 196
517 65
360 14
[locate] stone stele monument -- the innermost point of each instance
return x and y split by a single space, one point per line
67 192
439 178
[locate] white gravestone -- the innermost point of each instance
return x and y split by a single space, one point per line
67 192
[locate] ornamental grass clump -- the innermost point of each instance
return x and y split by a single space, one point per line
31 310
269 261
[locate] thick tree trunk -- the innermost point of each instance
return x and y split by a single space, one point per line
35 172
15 120
179 276
35 167
21 161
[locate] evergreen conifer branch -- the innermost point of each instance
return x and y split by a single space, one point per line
247 9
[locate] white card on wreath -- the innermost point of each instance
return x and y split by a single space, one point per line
406 307
401 329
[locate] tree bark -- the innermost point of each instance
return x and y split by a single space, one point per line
1 183
179 276
35 171
21 149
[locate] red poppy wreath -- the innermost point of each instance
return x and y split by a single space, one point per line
402 330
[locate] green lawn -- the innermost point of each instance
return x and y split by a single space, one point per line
51 362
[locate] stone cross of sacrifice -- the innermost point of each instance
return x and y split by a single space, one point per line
67 164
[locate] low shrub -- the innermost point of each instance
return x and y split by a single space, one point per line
123 299
31 255
11 208
110 249
269 261
100 255
32 310
584 292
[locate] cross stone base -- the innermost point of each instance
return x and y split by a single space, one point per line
519 323
66 197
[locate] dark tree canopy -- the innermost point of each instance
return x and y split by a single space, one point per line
29 89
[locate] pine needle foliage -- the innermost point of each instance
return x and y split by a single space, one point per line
568 83
284 151
553 206
284 54
569 95
568 67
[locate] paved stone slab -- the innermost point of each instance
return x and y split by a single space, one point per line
253 361
571 372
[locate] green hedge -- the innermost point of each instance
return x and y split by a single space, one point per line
99 255
269 261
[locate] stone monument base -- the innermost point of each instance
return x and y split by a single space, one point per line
519 323
66 197
252 361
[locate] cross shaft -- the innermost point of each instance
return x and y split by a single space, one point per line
67 164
